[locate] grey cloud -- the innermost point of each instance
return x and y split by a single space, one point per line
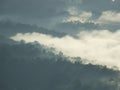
9 28
73 28
35 67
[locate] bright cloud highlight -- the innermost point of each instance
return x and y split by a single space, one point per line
100 47
81 17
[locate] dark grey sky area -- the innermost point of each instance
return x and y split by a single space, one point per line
57 14
59 44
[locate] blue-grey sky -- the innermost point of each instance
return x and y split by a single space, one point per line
59 44
96 23
57 14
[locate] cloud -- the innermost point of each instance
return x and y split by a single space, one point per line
48 14
34 67
73 28
82 17
109 16
98 47
9 28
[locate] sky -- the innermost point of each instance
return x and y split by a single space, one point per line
55 13
92 27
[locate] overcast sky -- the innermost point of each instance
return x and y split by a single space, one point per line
98 19
54 13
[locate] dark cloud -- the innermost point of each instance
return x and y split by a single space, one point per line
9 28
35 67
74 27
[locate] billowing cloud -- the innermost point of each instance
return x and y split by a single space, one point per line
33 66
98 47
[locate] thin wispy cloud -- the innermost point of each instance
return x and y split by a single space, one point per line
109 17
82 17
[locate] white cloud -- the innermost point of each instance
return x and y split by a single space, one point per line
99 47
80 17
109 16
